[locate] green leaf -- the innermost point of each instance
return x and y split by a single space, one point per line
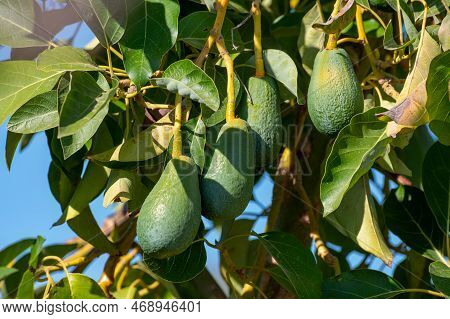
84 100
195 29
196 130
361 284
183 267
9 253
281 67
297 263
146 145
310 40
354 151
125 186
73 143
18 25
12 141
440 273
392 163
35 251
106 19
340 20
65 59
6 271
442 130
38 114
77 286
436 183
437 88
21 81
357 219
408 216
26 286
187 79
151 31
389 41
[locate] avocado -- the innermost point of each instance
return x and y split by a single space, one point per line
334 93
171 214
260 108
227 182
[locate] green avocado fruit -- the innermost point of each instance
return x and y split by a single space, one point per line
171 214
227 182
334 93
260 108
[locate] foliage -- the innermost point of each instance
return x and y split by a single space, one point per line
161 79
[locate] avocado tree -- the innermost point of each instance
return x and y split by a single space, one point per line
175 111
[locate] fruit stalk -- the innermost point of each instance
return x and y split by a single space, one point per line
177 140
332 38
230 110
362 36
257 42
221 9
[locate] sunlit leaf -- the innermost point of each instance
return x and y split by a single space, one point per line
151 31
65 59
187 79
84 100
21 81
356 148
106 18
19 27
357 219
38 114
77 286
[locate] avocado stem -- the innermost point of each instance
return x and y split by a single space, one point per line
229 64
332 38
177 140
257 42
221 9
362 36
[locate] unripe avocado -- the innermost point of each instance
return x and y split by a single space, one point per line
260 108
334 94
171 214
227 183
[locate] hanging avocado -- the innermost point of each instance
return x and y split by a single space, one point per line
227 183
170 216
260 108
334 94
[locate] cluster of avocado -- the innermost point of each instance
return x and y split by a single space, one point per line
171 214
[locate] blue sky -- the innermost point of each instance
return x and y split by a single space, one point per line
29 209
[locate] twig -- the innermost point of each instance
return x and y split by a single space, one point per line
221 9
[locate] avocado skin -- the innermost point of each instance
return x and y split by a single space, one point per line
171 214
227 182
260 108
334 93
